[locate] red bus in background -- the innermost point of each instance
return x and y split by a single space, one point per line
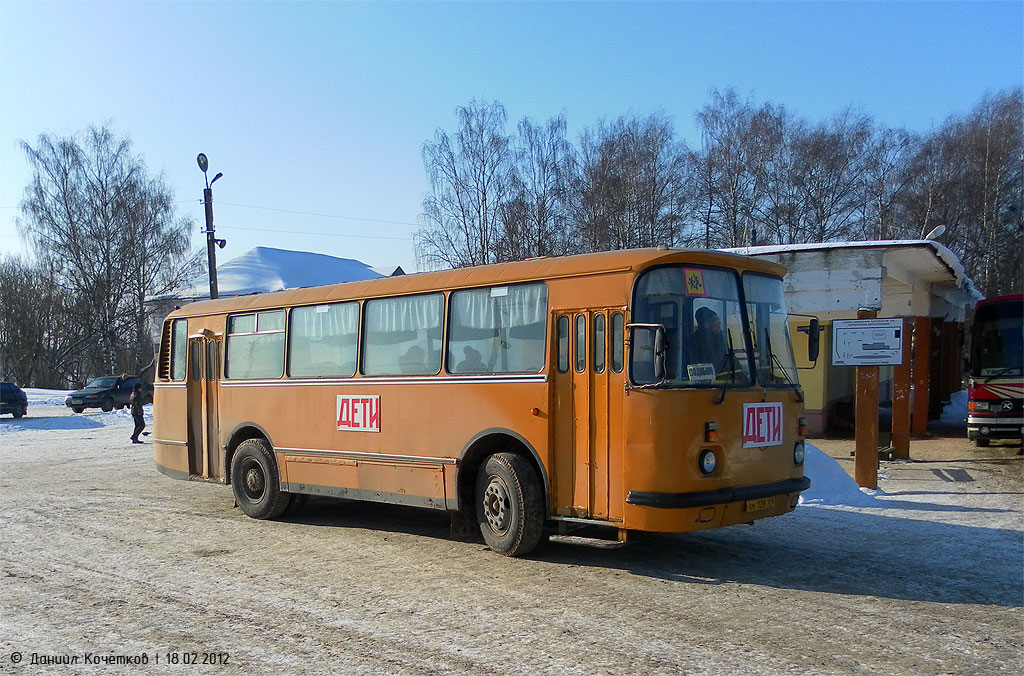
995 406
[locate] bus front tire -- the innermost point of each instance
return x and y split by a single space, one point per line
981 442
509 504
255 481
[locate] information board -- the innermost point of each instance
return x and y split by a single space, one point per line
867 342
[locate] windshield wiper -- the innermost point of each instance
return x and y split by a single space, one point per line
778 362
730 358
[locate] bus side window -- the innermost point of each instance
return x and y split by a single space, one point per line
563 343
599 343
322 340
255 345
179 348
617 342
498 329
581 343
403 335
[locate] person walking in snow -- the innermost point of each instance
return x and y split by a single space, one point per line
135 402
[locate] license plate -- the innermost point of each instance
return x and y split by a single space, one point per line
760 504
76 401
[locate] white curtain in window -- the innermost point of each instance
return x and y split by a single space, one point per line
322 321
409 313
506 306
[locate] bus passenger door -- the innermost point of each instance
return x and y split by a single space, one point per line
201 384
585 399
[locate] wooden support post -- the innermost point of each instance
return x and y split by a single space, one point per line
935 371
901 400
922 359
865 462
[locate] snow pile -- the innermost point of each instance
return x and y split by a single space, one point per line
263 269
40 397
831 485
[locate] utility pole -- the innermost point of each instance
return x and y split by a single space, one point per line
211 240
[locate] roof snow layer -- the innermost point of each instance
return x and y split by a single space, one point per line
943 252
263 269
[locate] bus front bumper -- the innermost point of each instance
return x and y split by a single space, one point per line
717 497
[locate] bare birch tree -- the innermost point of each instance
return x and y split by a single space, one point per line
535 217
631 185
107 235
469 183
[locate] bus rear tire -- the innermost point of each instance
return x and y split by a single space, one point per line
509 504
255 482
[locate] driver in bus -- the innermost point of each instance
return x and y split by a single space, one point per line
708 342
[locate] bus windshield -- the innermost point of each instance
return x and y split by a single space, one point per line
703 342
997 340
769 330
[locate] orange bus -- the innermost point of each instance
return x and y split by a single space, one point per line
642 390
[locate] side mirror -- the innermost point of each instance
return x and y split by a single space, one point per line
813 340
660 347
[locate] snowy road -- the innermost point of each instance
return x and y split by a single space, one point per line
103 557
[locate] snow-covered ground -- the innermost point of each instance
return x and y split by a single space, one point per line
90 419
102 553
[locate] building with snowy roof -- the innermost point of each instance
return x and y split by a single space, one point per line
264 269
920 281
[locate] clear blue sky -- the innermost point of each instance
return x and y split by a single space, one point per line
324 107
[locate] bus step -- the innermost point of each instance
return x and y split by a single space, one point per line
582 541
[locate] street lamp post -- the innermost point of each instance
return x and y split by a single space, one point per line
211 240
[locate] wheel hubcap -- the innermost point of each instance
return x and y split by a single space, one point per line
497 506
254 482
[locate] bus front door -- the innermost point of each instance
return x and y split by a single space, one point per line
590 413
202 387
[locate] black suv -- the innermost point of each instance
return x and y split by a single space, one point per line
12 400
108 393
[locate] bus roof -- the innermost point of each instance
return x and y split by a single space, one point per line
482 275
1001 299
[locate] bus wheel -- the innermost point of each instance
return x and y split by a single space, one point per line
980 442
255 482
509 504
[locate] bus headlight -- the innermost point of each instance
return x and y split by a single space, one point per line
798 453
980 405
708 461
